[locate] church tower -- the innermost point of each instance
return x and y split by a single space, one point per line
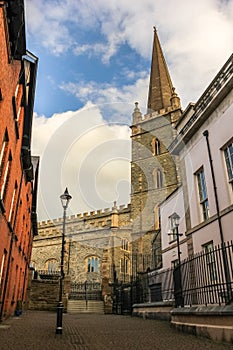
153 168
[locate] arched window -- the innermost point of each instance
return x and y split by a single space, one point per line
156 212
124 244
156 149
158 178
51 265
92 264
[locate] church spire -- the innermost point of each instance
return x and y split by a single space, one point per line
160 90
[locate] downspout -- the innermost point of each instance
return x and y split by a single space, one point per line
225 261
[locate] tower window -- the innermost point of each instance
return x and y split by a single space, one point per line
124 244
156 149
158 178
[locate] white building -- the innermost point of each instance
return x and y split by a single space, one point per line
204 144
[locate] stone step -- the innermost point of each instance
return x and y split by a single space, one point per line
82 306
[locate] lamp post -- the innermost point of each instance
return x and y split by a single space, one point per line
65 199
175 219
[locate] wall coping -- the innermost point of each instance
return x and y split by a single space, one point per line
224 310
154 304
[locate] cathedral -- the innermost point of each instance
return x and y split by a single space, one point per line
117 243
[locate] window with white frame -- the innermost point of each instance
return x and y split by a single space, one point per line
13 203
6 175
2 267
203 197
210 260
172 230
3 153
92 264
175 263
228 154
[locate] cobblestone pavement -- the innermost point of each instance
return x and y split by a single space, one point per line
36 331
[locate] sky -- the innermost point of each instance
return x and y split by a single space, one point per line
94 64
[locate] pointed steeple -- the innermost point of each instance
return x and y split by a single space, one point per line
161 89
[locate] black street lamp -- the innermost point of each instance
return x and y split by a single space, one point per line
175 221
65 199
178 293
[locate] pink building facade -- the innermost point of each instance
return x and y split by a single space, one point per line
204 200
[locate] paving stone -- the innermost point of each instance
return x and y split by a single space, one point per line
35 330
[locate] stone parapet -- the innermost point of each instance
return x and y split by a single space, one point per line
156 310
214 322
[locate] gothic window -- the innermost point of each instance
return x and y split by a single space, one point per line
203 197
93 264
124 265
51 265
158 178
124 244
156 213
155 144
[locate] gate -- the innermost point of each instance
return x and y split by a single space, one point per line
85 291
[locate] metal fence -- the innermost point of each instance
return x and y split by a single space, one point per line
46 274
85 291
205 278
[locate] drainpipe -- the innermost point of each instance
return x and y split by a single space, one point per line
225 261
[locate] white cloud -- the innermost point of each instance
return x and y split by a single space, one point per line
77 150
197 39
196 36
121 99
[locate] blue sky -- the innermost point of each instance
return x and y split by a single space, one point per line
94 63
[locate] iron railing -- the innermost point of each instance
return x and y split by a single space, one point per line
47 274
205 278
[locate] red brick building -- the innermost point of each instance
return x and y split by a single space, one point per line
18 169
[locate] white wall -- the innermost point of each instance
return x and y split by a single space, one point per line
175 203
220 127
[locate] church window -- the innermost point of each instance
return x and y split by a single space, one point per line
124 265
124 244
156 213
158 178
51 265
156 149
93 264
